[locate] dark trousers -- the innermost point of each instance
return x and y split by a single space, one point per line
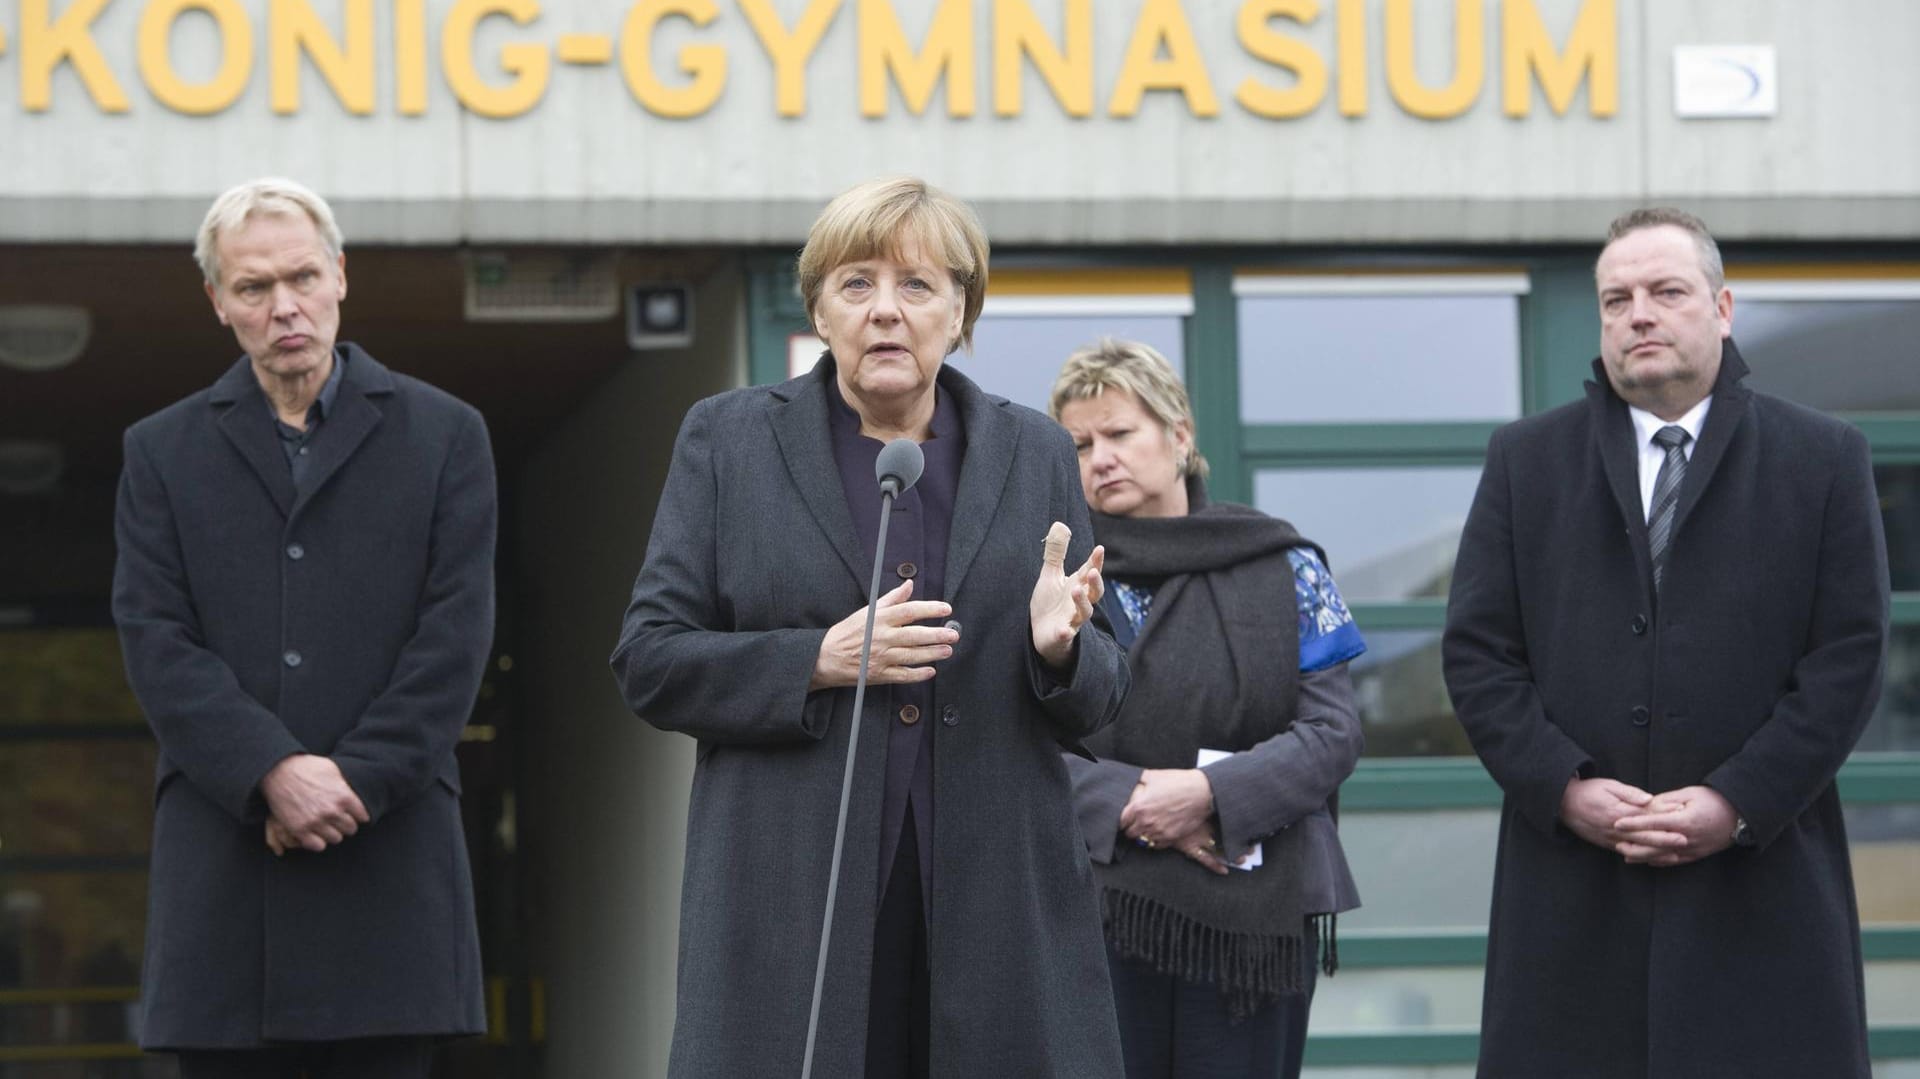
359 1058
897 1004
1175 1029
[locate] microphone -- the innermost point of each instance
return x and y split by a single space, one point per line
897 469
899 466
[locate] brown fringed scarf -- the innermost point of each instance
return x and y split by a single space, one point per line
1216 666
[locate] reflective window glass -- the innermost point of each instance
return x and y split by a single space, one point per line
1401 693
1835 354
1397 999
1896 720
1899 490
1019 356
1379 358
1885 841
1391 533
1449 853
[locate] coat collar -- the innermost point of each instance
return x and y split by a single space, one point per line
1620 453
354 416
806 444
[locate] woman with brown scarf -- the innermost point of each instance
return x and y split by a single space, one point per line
1210 818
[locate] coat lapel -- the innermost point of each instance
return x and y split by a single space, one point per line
245 422
992 440
806 445
1724 417
1613 440
355 415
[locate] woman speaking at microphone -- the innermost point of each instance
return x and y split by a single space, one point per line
1237 734
966 934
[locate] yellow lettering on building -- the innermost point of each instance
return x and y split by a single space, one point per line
948 50
790 51
1469 61
46 43
1260 40
1593 47
410 57
156 56
706 64
1350 41
1067 72
529 64
293 28
1163 23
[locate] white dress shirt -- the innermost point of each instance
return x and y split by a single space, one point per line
1652 454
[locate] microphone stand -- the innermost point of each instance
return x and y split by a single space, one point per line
888 488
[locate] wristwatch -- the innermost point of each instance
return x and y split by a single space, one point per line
1742 834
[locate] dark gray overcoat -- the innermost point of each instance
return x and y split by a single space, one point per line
1753 674
753 556
351 621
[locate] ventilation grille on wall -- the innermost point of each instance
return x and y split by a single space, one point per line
42 337
541 286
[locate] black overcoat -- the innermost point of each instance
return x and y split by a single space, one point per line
1754 674
351 621
753 556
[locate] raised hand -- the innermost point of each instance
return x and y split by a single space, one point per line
1063 602
902 651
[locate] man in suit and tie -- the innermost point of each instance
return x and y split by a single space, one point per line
1666 631
304 592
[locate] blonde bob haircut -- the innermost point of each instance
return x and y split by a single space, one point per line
881 217
271 196
1130 367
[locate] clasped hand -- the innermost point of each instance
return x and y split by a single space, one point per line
1172 808
1669 829
311 805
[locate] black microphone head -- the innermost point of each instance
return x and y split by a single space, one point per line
899 466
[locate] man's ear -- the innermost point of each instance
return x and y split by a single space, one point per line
214 299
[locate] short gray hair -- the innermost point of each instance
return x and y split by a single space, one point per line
1654 217
268 196
1131 367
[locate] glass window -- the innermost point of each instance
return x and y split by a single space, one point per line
1373 349
1899 490
1844 346
1428 869
1885 842
1391 533
1402 696
64 676
1389 1072
1019 356
1397 1071
1896 720
1397 999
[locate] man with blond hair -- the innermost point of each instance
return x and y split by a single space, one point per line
1666 631
304 593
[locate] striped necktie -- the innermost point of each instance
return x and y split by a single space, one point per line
1666 495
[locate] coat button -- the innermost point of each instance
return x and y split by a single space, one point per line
950 716
906 570
292 658
910 715
1640 715
952 625
1639 624
296 552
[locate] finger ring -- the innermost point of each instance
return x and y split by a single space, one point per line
1141 841
1149 843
